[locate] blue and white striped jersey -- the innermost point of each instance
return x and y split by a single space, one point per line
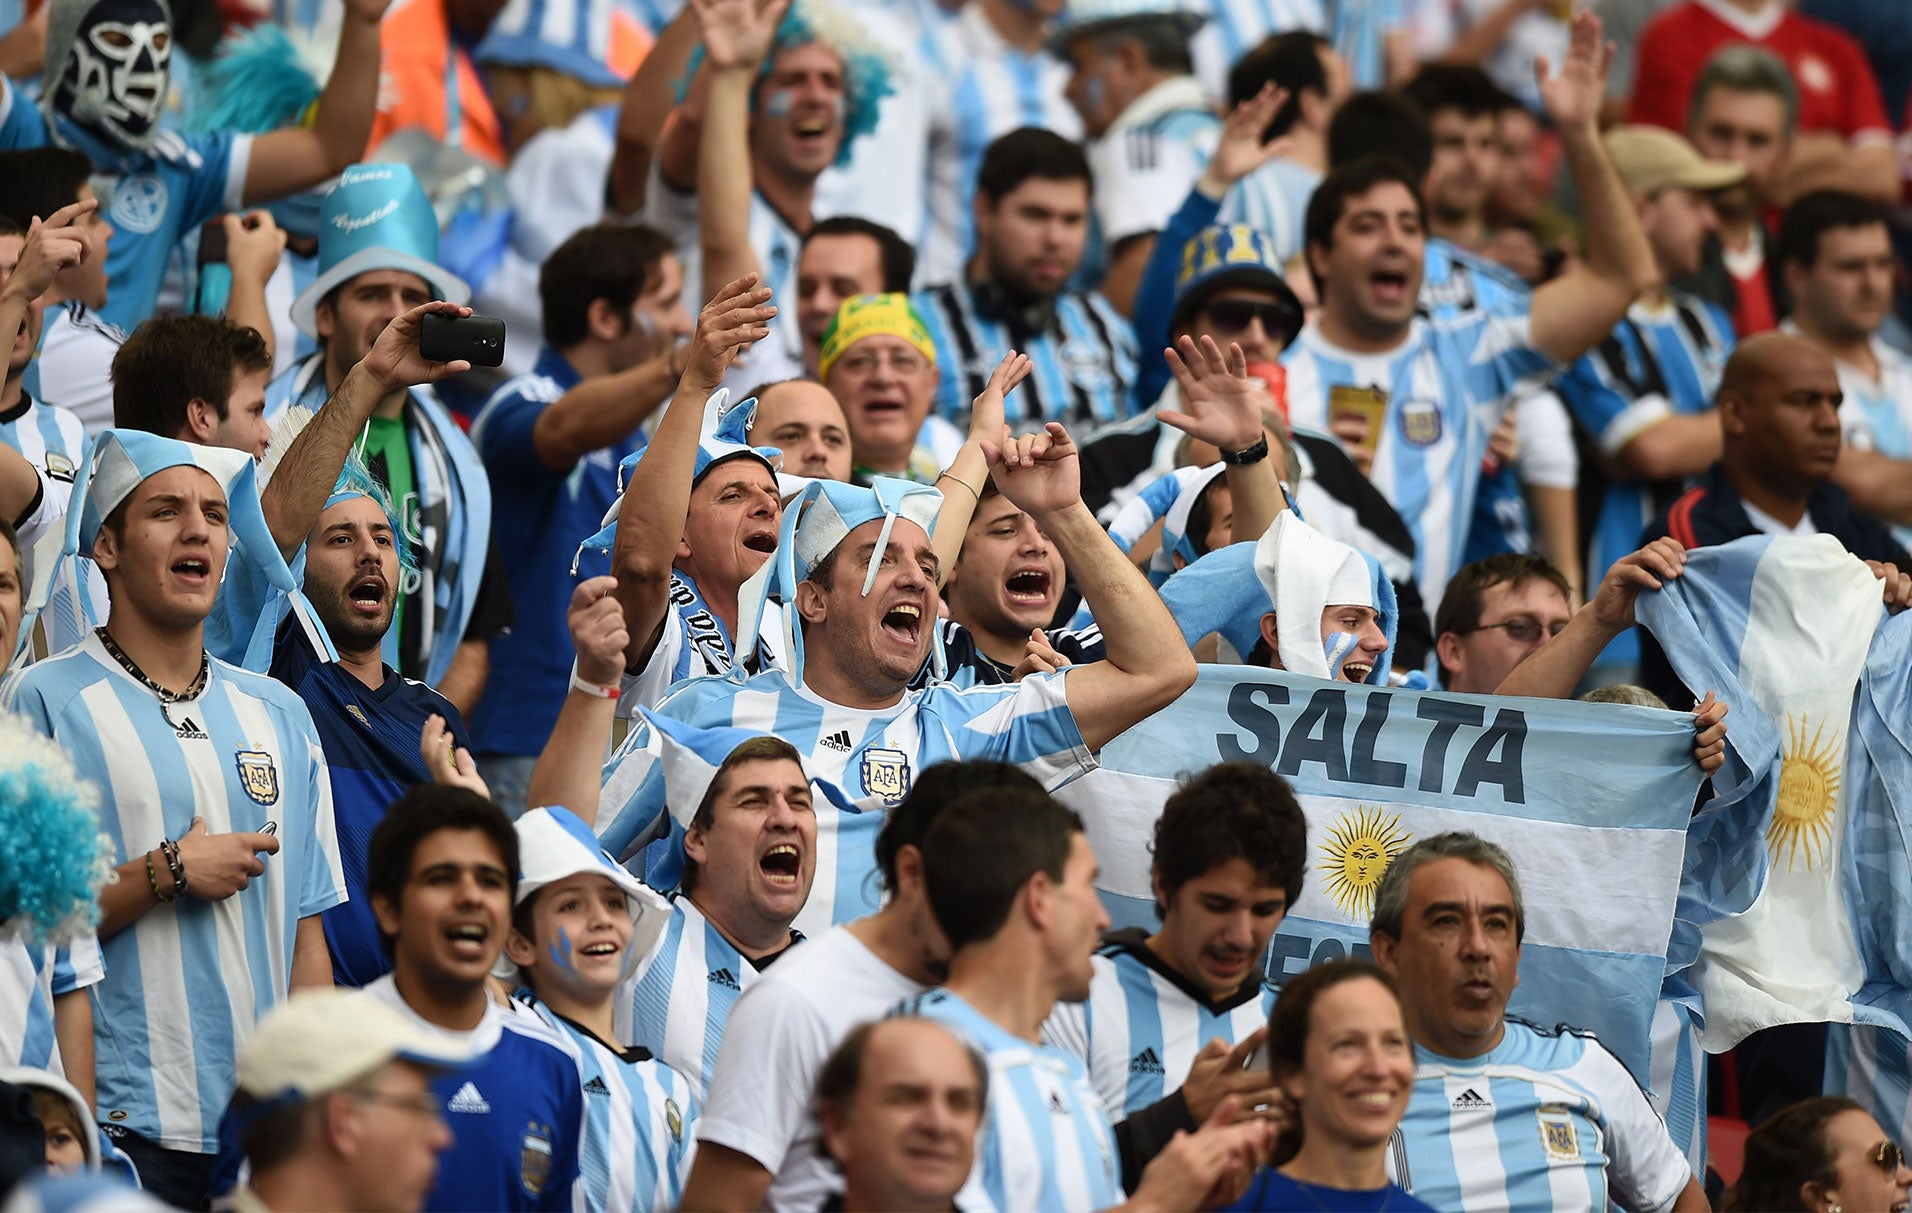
780 1034
1047 1145
186 982
1143 1024
30 979
869 757
1274 199
1877 413
1147 160
1446 386
1235 27
1082 354
516 1113
678 999
1455 281
1655 363
638 1116
777 245
987 89
51 439
1677 1081
1544 1120
693 644
1359 30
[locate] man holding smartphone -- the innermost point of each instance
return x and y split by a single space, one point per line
612 298
378 254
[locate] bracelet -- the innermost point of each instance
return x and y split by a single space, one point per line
591 688
1248 454
152 878
977 494
176 862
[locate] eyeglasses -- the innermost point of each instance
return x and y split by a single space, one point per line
1887 1157
1231 316
425 1103
1524 629
902 362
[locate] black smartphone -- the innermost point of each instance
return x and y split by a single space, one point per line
212 241
479 340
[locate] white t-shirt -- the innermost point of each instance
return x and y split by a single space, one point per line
780 1033
76 365
1769 525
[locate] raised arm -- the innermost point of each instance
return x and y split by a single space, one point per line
1574 311
253 246
606 410
298 157
650 520
969 467
645 111
1223 407
737 35
295 496
1146 664
567 769
1554 669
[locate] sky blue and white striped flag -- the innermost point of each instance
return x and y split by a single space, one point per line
1591 800
1796 905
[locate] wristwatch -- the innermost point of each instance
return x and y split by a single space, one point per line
1248 454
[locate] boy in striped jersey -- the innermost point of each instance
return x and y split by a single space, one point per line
220 806
1505 1114
1229 848
1011 880
580 924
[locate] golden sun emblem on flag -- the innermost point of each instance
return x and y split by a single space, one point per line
1360 845
1809 775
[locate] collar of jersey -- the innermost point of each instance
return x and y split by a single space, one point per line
1312 336
1134 942
1172 94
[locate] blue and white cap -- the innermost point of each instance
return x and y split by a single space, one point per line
1234 254
1167 500
689 758
376 218
1088 16
1294 571
725 435
812 527
554 844
569 36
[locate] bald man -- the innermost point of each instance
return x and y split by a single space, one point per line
1779 418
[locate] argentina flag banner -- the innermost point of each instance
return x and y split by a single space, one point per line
1797 898
1590 800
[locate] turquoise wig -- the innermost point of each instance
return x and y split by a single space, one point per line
257 83
356 480
866 68
53 858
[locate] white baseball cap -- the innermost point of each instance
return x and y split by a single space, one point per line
320 1041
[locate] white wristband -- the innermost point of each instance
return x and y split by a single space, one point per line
591 688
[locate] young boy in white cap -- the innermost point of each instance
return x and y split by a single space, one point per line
335 1107
580 926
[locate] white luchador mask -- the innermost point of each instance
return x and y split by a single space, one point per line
113 69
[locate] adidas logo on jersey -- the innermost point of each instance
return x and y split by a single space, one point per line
724 978
469 1101
1145 1062
1056 1106
189 730
596 1087
1471 1100
838 741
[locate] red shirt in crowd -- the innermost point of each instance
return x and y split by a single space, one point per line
1837 91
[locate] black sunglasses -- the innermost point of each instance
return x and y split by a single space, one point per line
1887 1157
1231 316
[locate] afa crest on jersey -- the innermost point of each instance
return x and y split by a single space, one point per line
1558 1134
534 1158
258 775
886 773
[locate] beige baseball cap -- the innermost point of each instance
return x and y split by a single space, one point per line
1651 159
319 1041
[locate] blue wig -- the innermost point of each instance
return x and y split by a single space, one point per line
866 68
257 83
53 858
356 480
